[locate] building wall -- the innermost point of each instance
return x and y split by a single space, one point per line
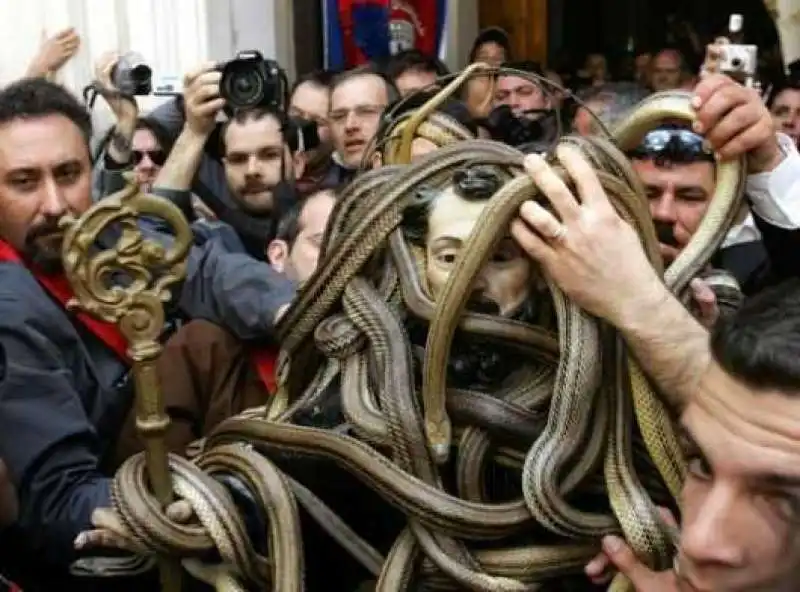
175 35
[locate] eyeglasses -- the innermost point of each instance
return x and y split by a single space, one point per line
675 145
156 156
361 112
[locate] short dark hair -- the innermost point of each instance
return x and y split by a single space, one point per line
289 223
413 60
472 182
366 70
782 86
322 78
34 98
163 137
760 343
490 35
242 116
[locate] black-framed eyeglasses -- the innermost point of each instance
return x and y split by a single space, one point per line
158 157
674 145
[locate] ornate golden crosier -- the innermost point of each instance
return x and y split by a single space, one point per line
128 283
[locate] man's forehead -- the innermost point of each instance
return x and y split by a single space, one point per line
667 59
310 95
682 173
790 96
317 207
361 89
752 431
41 142
514 83
263 132
449 208
681 177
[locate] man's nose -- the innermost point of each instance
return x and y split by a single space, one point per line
480 283
662 208
252 167
146 162
53 204
709 533
351 122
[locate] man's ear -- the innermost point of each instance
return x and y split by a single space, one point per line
299 161
278 254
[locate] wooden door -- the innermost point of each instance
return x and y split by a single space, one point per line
524 20
308 36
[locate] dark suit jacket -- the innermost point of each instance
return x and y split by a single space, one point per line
760 264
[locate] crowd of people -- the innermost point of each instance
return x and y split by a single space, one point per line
258 201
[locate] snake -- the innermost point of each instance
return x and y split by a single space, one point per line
563 422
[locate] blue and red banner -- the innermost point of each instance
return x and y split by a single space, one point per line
358 31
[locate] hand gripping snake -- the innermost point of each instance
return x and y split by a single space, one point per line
566 421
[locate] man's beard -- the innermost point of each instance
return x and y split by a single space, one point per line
43 246
476 362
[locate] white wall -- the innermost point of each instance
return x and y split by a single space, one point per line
173 35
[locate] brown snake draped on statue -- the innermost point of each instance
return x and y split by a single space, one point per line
576 421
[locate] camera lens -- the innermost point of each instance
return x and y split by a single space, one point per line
141 73
736 62
244 88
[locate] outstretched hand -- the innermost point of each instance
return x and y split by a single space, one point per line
110 533
619 556
593 255
54 52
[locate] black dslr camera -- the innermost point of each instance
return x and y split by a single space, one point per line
249 81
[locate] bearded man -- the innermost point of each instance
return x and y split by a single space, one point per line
64 381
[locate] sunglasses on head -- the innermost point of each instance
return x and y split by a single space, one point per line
156 156
675 145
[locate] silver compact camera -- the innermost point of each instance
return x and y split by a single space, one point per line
739 61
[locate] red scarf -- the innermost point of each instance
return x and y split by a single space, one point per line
265 361
59 289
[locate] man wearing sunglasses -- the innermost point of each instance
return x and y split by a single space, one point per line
149 152
677 170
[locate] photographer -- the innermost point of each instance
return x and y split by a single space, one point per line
258 148
522 114
134 144
310 102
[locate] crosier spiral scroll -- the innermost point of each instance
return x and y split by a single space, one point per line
128 283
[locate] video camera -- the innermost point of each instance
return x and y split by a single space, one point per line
132 76
248 81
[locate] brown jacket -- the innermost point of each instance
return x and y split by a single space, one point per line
206 376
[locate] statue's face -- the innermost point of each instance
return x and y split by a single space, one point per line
505 280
